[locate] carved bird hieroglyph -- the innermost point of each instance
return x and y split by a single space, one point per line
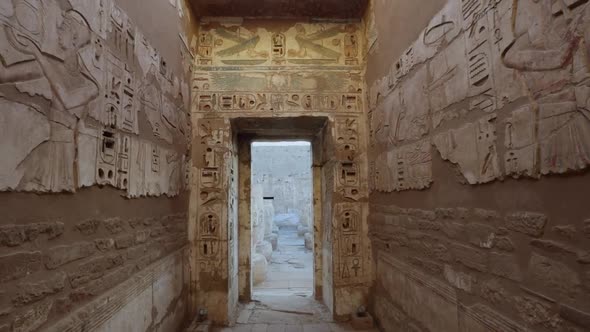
243 44
309 42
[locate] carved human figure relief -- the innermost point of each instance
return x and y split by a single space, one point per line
542 52
63 78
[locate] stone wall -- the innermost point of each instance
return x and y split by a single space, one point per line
479 155
95 137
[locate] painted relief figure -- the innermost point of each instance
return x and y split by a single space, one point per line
245 40
310 44
66 82
542 52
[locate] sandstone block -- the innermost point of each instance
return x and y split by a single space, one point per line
125 241
554 276
95 268
88 227
142 236
34 291
529 223
11 235
20 264
458 279
503 243
471 257
493 291
32 319
114 225
566 231
15 235
505 266
104 245
534 311
52 230
259 268
102 284
136 252
135 223
422 214
60 255
489 216
480 235
453 230
426 225
552 246
157 231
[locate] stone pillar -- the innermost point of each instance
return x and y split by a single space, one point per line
351 262
211 214
250 202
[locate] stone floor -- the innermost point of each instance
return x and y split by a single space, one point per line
280 313
290 271
284 302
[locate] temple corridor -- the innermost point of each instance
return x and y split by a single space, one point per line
294 165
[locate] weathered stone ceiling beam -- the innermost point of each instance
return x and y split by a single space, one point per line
333 9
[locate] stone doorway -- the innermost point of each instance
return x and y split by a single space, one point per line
282 219
223 152
284 277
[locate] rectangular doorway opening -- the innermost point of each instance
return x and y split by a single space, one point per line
282 221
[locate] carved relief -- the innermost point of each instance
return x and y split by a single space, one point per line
301 44
243 41
66 66
118 108
479 55
351 45
521 158
347 138
106 169
348 258
448 80
209 224
404 168
205 48
121 36
279 47
543 56
473 148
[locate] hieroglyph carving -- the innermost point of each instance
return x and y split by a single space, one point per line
69 82
263 92
300 44
212 146
349 253
479 58
404 168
